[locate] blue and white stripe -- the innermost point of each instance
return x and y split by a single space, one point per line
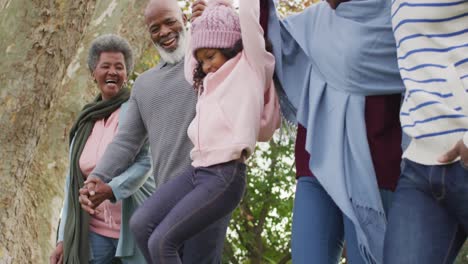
432 43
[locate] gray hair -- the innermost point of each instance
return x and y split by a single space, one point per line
110 43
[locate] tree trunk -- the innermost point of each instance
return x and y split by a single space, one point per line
44 82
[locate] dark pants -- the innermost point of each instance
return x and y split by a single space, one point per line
185 208
428 218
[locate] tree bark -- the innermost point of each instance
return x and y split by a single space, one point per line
44 82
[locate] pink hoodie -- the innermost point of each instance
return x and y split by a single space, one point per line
238 105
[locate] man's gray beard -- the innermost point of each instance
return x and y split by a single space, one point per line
178 54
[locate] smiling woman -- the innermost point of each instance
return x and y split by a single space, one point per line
110 73
110 61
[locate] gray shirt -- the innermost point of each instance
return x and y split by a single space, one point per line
160 108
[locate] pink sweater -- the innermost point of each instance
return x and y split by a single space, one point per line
239 104
107 221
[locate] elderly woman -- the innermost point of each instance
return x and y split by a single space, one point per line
100 237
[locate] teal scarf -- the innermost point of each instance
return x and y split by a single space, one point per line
75 242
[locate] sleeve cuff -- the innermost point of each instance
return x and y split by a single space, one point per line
115 189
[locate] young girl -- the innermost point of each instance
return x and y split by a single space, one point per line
237 106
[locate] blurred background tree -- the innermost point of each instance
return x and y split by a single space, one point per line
44 82
260 228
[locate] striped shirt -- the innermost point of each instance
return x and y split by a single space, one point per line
432 42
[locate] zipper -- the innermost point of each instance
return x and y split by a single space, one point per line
198 122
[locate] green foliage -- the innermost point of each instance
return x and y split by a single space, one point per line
463 256
149 59
287 7
260 228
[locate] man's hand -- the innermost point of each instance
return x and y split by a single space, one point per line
197 9
460 150
57 255
94 193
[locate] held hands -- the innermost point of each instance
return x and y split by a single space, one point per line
459 150
93 194
197 9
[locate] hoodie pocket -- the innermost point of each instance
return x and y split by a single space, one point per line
215 129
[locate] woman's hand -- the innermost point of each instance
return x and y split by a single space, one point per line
459 150
57 255
197 9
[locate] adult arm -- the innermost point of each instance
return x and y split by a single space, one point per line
120 187
121 152
292 65
127 183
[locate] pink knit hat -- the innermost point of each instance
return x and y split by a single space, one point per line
218 27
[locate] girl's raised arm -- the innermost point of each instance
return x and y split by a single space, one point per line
252 37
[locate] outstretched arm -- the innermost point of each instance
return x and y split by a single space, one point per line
120 187
253 39
123 149
292 65
134 177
